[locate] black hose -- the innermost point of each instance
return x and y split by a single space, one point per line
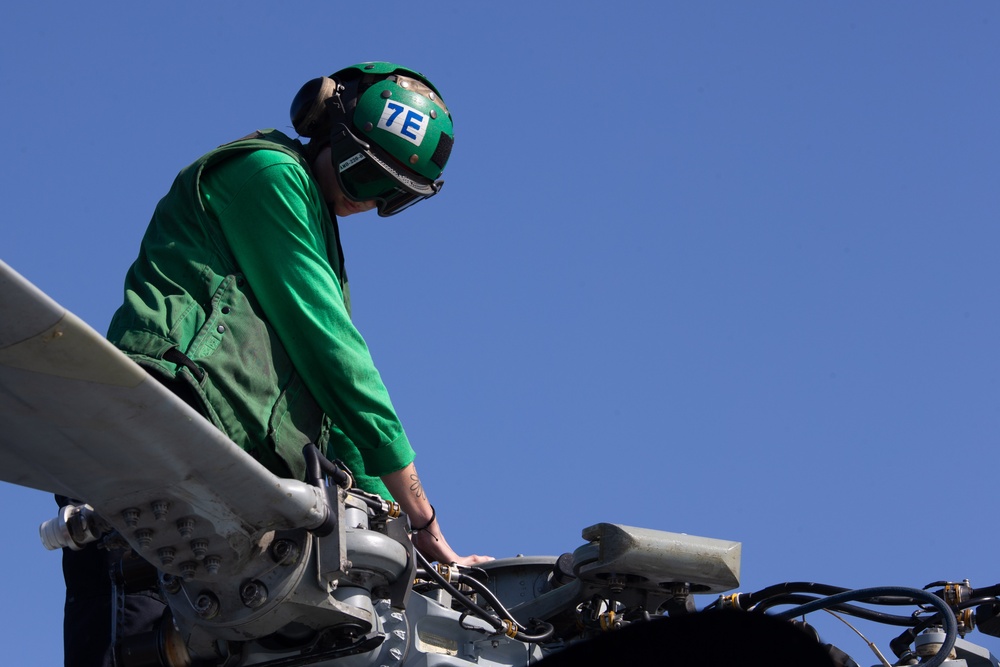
486 593
480 613
314 462
987 591
375 505
849 609
975 602
521 634
317 464
482 590
314 474
747 601
547 630
947 616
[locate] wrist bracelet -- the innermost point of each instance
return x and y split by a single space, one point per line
429 522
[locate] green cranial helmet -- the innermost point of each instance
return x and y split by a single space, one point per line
390 132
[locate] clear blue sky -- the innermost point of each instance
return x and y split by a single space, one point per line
722 268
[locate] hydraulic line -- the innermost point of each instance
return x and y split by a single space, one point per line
987 591
478 611
500 625
947 616
849 609
482 591
746 601
317 465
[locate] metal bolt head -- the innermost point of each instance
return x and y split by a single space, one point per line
285 552
206 605
253 594
167 555
386 94
170 583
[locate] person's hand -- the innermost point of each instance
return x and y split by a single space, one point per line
432 545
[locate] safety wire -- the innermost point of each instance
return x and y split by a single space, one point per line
501 626
257 577
871 645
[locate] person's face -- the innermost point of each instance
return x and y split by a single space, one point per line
342 206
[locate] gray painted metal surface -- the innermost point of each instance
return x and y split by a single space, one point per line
78 418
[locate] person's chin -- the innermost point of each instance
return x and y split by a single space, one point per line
351 207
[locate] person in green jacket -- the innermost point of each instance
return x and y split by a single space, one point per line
239 302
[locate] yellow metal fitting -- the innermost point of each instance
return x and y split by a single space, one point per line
730 601
966 621
509 628
607 621
394 511
448 571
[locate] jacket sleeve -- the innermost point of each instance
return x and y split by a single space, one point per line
273 217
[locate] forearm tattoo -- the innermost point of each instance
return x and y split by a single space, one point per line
416 488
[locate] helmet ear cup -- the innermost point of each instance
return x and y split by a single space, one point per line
309 108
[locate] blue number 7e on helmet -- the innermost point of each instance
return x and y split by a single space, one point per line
390 133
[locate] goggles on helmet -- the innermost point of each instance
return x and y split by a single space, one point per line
365 172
